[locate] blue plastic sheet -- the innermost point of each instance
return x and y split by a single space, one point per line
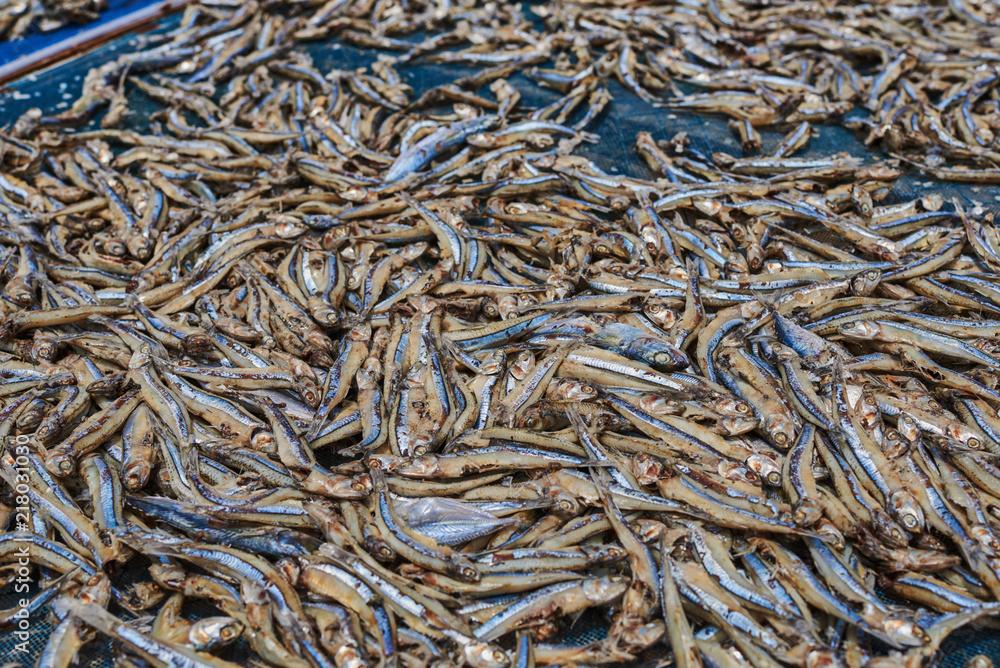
36 40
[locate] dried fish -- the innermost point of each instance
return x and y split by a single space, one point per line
402 378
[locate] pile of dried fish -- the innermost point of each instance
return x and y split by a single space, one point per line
925 72
404 380
21 18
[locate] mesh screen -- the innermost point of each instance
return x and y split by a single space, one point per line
614 152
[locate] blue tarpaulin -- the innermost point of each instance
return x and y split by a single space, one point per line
37 40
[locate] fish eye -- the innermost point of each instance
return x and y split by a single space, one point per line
872 274
742 408
780 439
974 443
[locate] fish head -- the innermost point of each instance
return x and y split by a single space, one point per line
861 329
908 429
781 430
864 282
262 440
893 444
661 315
646 468
765 467
569 389
807 513
906 510
905 632
462 569
604 589
657 404
484 655
212 633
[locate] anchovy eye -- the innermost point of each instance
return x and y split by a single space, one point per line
974 443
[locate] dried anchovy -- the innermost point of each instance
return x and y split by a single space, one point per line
386 379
